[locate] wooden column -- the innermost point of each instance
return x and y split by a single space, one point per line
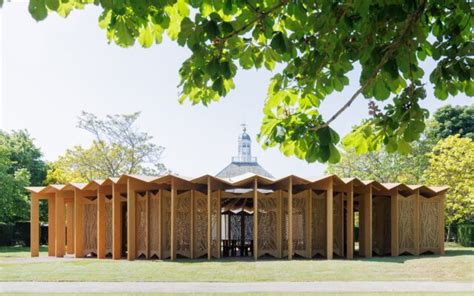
131 221
219 220
147 223
329 220
116 223
366 225
78 223
417 222
192 224
51 225
160 223
60 225
279 226
255 218
209 222
290 219
70 227
309 224
441 225
34 225
350 222
100 224
174 201
394 222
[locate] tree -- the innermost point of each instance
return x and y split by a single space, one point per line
449 120
20 165
317 43
384 167
452 164
118 148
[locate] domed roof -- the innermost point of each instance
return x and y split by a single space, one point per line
244 136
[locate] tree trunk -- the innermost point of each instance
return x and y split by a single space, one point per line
449 232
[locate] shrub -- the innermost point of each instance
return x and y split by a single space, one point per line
7 234
466 235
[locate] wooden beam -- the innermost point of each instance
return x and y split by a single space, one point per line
366 214
147 223
417 222
174 201
394 245
279 226
219 220
60 225
329 220
116 223
290 219
209 222
131 221
160 223
192 224
78 223
441 225
101 218
309 224
34 225
350 222
70 227
51 225
255 218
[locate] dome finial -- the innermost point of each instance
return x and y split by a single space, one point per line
244 127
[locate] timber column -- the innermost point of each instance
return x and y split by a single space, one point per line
366 222
34 225
131 221
116 223
290 218
174 201
79 223
209 222
329 220
51 225
60 225
70 227
100 224
255 219
394 222
350 222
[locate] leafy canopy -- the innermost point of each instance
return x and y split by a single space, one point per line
118 148
316 42
451 120
452 164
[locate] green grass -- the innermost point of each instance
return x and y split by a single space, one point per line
456 265
317 294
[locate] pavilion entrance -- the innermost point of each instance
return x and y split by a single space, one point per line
237 227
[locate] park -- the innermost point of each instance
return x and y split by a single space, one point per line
238 146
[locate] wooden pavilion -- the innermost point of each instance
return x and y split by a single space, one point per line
250 215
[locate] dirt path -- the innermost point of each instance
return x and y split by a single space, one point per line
209 287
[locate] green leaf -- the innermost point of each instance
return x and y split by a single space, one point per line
381 92
52 4
37 9
183 8
334 155
145 37
440 92
246 59
469 88
404 147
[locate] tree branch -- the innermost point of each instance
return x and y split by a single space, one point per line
388 53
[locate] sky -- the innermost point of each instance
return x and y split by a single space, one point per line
52 70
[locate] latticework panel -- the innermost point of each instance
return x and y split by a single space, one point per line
154 228
381 225
200 224
215 223
108 226
319 224
90 228
166 223
338 224
141 224
267 225
299 222
183 224
406 227
430 219
284 229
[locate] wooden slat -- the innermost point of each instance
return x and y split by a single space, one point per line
394 222
116 223
147 223
79 224
174 196
441 224
219 219
100 224
192 224
34 225
70 227
417 223
52 225
329 220
279 227
209 221
290 219
60 225
255 219
350 222
131 212
309 224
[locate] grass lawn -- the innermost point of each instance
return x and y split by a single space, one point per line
456 265
317 294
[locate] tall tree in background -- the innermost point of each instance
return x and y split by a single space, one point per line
316 42
449 120
118 148
452 164
20 165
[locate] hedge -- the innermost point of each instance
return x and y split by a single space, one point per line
466 235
